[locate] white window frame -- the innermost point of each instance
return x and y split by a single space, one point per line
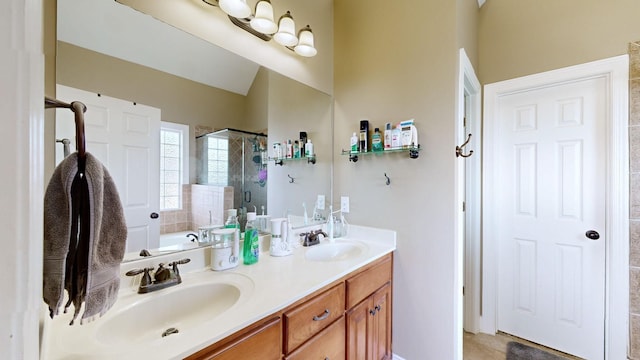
184 156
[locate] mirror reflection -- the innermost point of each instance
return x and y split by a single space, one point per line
100 52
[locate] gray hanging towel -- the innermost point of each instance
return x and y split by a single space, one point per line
85 236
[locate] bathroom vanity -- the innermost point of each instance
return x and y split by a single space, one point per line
331 300
350 316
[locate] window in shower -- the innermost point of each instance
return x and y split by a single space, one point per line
174 172
217 161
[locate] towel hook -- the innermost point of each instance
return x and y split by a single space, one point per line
78 109
459 148
388 181
291 180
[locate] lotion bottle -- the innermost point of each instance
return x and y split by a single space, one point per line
308 148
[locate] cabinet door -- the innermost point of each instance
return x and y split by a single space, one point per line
358 345
381 324
262 341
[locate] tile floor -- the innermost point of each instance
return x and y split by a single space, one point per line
489 347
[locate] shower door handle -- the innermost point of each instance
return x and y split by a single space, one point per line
247 196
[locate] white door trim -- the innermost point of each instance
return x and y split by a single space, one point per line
615 71
471 186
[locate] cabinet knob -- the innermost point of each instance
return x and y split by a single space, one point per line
372 312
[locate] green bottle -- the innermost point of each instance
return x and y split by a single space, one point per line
376 141
251 246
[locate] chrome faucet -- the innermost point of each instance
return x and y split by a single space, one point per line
311 238
194 237
163 277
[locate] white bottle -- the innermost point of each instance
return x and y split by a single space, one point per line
308 149
387 137
354 143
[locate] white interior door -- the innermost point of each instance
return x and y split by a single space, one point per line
125 137
552 171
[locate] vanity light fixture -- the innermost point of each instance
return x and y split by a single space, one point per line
262 21
286 35
264 27
235 8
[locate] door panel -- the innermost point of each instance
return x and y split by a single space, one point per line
125 137
552 170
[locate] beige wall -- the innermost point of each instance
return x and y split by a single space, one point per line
180 100
518 38
467 24
257 103
394 63
295 107
49 49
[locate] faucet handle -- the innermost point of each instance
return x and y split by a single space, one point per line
146 278
180 262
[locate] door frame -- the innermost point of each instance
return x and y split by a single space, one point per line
615 71
469 189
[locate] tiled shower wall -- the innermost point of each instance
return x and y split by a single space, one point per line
634 211
178 220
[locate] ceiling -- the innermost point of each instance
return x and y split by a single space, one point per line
117 30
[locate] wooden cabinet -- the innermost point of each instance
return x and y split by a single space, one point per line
262 340
369 322
348 319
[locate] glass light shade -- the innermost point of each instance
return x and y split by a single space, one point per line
263 20
286 35
305 45
236 8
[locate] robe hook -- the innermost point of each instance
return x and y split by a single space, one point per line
388 181
291 180
459 148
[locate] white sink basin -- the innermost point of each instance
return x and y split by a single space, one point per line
336 251
180 309
138 321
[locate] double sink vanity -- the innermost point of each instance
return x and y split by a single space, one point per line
328 301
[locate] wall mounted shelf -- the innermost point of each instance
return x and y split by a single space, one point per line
412 150
308 159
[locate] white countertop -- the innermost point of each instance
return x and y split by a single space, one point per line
268 286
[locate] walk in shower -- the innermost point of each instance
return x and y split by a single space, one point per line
238 159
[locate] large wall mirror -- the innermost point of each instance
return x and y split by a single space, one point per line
112 51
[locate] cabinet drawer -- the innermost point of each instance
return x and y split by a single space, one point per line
259 341
366 283
328 344
314 315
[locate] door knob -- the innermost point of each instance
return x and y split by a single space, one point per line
592 234
154 215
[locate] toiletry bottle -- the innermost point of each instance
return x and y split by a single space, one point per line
251 246
354 143
303 143
296 149
395 138
364 135
308 148
376 141
387 136
289 149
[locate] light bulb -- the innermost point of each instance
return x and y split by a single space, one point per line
236 8
286 35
